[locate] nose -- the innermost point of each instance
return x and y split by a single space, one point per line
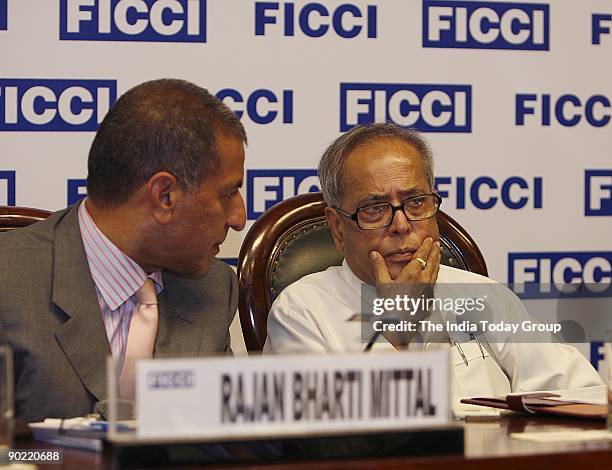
400 223
237 215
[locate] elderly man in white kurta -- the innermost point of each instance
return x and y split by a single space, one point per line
378 183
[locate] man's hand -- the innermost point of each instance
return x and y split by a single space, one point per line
413 272
414 280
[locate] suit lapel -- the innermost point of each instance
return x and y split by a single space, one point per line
177 331
83 336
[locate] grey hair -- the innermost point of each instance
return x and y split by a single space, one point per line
331 164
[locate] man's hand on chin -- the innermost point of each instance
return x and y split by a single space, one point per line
416 280
422 269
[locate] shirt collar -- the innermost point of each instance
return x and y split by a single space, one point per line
117 276
357 285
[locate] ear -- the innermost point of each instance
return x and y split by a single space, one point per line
333 220
162 193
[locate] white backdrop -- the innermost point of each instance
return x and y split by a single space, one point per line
505 60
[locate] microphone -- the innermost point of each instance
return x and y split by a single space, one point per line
125 410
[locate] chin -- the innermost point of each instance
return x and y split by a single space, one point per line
395 269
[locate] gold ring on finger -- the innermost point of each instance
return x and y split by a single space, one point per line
422 262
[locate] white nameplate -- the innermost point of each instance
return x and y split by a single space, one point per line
291 395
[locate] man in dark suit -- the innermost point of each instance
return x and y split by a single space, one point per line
165 170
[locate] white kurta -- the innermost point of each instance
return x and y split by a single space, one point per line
312 316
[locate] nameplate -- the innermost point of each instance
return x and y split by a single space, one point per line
268 396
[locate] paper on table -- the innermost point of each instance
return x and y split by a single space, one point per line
81 432
595 395
79 423
75 433
564 436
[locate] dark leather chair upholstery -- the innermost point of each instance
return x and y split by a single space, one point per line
12 217
291 240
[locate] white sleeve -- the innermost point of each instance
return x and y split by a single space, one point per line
291 328
545 365
549 366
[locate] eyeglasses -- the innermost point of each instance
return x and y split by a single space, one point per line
380 215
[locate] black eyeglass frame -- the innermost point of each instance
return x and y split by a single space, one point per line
394 209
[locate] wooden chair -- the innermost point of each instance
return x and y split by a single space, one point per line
12 217
291 240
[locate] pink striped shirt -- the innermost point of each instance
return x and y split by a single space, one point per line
117 279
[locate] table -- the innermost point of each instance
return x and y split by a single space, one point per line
488 445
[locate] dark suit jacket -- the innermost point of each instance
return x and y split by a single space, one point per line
49 314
